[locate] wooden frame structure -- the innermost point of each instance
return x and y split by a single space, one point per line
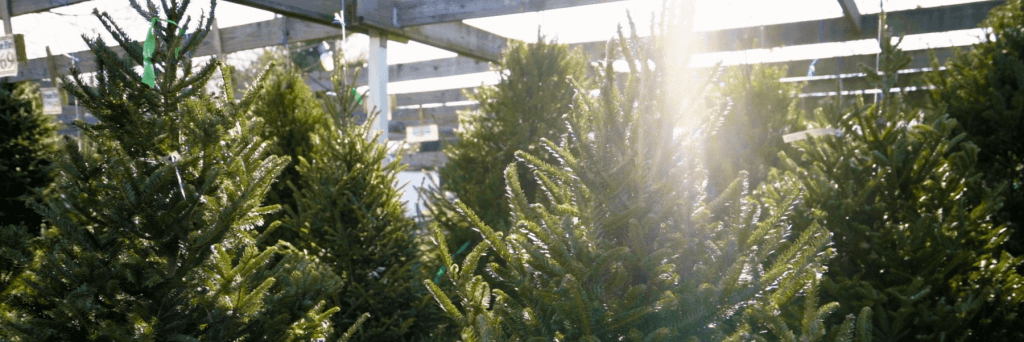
438 23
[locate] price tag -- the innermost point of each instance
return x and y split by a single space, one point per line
51 101
423 133
12 51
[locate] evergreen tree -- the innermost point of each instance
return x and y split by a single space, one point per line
349 215
290 114
27 145
28 140
152 237
983 89
912 244
623 242
759 110
527 104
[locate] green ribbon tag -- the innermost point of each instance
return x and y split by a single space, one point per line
148 75
359 99
440 271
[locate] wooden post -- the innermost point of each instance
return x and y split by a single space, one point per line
51 70
378 79
5 15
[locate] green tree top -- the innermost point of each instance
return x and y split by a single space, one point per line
623 243
527 104
894 187
152 236
983 89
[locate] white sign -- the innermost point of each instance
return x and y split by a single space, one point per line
51 100
10 53
423 133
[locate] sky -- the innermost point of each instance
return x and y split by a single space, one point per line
61 29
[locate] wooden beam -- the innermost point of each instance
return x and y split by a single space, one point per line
852 64
318 11
456 37
19 7
424 12
5 15
443 115
438 96
321 81
851 12
424 160
233 39
459 38
915 21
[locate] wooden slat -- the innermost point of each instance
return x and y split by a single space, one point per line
453 36
423 12
424 160
438 115
19 7
851 64
915 21
318 11
440 96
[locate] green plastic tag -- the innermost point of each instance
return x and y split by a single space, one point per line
148 74
359 99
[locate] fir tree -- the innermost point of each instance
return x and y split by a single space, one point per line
623 242
759 111
27 145
527 104
290 114
152 237
912 244
983 89
28 140
348 214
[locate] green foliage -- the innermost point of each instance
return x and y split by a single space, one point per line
912 244
28 141
27 145
527 104
759 111
348 214
983 89
290 114
151 238
623 243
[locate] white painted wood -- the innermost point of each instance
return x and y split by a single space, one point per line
378 79
426 12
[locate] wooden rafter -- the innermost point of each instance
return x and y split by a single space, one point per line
425 12
914 21
19 7
851 12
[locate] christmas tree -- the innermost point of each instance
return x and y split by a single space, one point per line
290 115
982 89
894 187
28 142
348 214
623 243
759 111
527 104
152 238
